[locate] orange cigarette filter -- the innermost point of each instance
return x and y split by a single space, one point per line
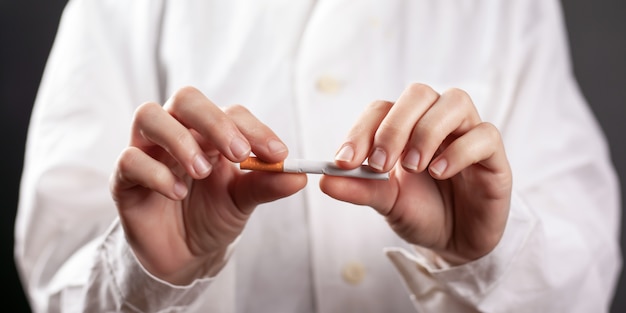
253 163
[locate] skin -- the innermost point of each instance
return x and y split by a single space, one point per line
450 183
182 201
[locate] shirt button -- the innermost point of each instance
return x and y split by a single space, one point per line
328 85
353 273
375 22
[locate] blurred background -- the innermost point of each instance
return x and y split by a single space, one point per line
597 33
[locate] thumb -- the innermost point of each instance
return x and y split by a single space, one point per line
377 194
256 187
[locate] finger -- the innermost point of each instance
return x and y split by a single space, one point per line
378 194
153 126
189 106
264 142
358 142
450 116
136 168
254 188
481 145
394 131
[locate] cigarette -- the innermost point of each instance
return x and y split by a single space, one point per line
311 167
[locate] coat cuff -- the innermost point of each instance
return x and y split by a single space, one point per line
139 290
427 276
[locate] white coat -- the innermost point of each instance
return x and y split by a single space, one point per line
307 69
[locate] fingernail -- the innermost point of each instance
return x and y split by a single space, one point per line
411 159
276 146
438 167
346 154
239 148
201 165
377 159
180 189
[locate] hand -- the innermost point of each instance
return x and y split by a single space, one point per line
450 184
180 198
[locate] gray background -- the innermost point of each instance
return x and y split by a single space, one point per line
597 32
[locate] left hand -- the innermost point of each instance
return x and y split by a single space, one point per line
450 182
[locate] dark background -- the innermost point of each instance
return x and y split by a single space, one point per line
597 32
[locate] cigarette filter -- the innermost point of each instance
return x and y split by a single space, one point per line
311 167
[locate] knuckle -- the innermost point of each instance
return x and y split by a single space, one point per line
127 160
159 177
235 109
184 139
186 92
221 122
420 90
380 105
378 108
126 164
491 131
388 131
146 111
182 96
426 129
458 96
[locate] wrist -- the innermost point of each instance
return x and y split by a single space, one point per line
200 267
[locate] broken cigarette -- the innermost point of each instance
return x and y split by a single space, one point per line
311 167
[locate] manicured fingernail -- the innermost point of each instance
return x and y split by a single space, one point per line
411 160
276 146
377 159
346 154
438 167
239 148
180 189
201 165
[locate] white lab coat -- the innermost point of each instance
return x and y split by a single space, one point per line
307 69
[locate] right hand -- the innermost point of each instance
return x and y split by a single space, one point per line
180 198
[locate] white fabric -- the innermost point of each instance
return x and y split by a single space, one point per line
307 69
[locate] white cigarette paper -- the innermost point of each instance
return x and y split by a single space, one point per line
311 167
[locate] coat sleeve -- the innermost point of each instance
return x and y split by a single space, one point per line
70 250
560 250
